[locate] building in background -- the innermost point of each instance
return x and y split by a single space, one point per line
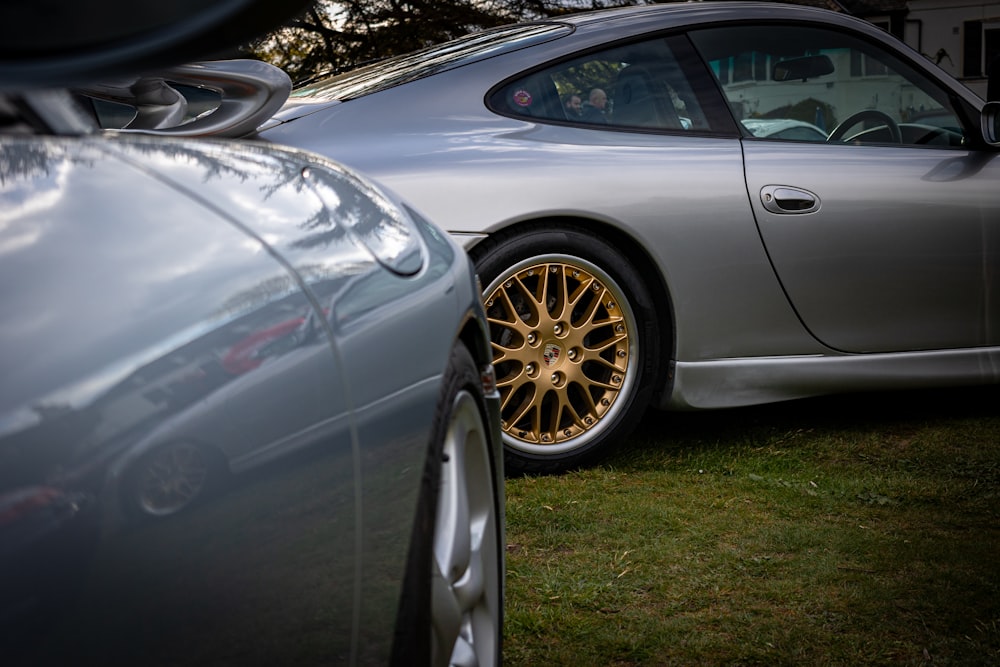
961 36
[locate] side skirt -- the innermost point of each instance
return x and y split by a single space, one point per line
730 383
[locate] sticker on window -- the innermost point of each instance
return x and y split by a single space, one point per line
522 98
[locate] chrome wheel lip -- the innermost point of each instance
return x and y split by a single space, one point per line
631 369
465 586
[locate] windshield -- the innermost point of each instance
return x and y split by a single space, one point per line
400 69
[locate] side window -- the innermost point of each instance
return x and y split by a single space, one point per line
635 86
810 84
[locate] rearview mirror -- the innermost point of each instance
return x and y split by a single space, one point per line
800 69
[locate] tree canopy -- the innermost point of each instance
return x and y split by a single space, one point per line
337 35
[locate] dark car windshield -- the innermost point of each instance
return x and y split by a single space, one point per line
449 55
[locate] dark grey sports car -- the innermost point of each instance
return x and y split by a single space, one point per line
247 408
689 206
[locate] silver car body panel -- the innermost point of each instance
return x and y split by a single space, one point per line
730 383
501 152
765 306
159 291
900 254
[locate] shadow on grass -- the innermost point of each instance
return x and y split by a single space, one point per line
884 412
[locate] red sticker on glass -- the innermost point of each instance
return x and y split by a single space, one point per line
522 98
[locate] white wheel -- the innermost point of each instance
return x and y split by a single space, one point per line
466 567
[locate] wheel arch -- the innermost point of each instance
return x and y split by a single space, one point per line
476 341
626 243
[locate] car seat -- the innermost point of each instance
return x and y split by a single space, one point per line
642 100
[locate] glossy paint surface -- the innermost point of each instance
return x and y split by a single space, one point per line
244 302
890 280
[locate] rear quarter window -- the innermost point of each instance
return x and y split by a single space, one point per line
642 86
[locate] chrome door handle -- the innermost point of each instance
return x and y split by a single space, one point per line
787 200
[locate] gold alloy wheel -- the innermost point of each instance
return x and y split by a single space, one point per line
562 335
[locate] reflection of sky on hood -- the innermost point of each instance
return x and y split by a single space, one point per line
106 263
20 200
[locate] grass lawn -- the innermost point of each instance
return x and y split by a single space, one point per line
854 530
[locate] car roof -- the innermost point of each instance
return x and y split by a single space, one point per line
584 30
597 27
685 13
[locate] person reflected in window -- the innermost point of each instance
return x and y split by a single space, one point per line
574 106
595 106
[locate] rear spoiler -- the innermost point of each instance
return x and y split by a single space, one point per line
243 93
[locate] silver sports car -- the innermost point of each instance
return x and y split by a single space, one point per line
689 206
217 447
656 249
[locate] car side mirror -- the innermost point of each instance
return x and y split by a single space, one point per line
801 69
989 120
993 82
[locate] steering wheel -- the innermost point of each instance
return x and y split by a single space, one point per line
866 114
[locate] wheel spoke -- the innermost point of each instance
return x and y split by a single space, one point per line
520 409
586 317
513 383
559 430
537 295
527 413
594 351
464 654
453 545
445 610
471 586
556 292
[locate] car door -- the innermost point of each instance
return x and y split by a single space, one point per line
885 235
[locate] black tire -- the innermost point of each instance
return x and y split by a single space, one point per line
452 605
576 373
